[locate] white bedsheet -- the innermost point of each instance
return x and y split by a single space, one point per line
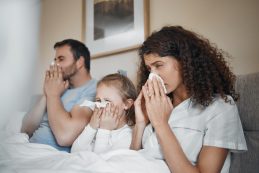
19 156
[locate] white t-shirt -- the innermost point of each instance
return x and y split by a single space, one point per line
102 140
217 125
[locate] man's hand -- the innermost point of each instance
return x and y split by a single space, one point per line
54 84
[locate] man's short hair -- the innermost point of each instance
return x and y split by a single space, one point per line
78 49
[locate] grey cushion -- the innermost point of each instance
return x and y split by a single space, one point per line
248 106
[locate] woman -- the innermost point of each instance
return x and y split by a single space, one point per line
195 125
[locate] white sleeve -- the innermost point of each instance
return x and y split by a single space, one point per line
85 140
102 141
225 130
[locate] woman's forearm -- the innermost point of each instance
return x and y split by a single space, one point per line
138 130
172 151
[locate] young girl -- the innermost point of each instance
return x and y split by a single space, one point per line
109 127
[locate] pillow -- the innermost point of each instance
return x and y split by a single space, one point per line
248 105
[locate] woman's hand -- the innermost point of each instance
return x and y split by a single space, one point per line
95 119
158 105
110 117
140 110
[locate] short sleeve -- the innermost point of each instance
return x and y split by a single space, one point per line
88 93
225 130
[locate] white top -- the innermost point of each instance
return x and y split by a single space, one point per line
217 125
102 140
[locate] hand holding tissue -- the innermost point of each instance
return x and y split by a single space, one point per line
152 75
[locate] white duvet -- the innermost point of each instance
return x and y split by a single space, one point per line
19 156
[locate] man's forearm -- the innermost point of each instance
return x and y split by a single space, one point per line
58 117
66 126
32 119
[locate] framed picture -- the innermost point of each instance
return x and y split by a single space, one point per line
113 26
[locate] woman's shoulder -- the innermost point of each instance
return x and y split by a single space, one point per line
223 103
218 104
217 107
225 107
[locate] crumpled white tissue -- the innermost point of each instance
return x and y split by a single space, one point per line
152 75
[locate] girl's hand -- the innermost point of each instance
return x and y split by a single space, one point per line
95 119
158 105
110 117
140 110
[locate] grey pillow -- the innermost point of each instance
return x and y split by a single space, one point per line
248 107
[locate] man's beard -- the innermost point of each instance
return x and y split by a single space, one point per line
69 75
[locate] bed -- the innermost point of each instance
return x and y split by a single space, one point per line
19 156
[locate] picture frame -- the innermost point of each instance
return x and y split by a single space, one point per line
114 26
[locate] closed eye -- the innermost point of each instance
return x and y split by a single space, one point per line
158 65
59 59
100 100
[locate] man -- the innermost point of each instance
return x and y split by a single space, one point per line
57 119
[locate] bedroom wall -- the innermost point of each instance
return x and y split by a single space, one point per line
233 25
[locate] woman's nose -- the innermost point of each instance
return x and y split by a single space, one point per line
154 71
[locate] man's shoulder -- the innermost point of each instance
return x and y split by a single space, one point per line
89 90
90 86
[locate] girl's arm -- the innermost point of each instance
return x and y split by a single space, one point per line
102 141
109 120
84 140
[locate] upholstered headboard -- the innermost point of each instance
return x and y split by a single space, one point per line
248 106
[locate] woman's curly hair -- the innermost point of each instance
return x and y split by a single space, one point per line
204 70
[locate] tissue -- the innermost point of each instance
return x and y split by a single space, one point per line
152 75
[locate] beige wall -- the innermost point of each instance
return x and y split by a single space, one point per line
233 25
60 19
